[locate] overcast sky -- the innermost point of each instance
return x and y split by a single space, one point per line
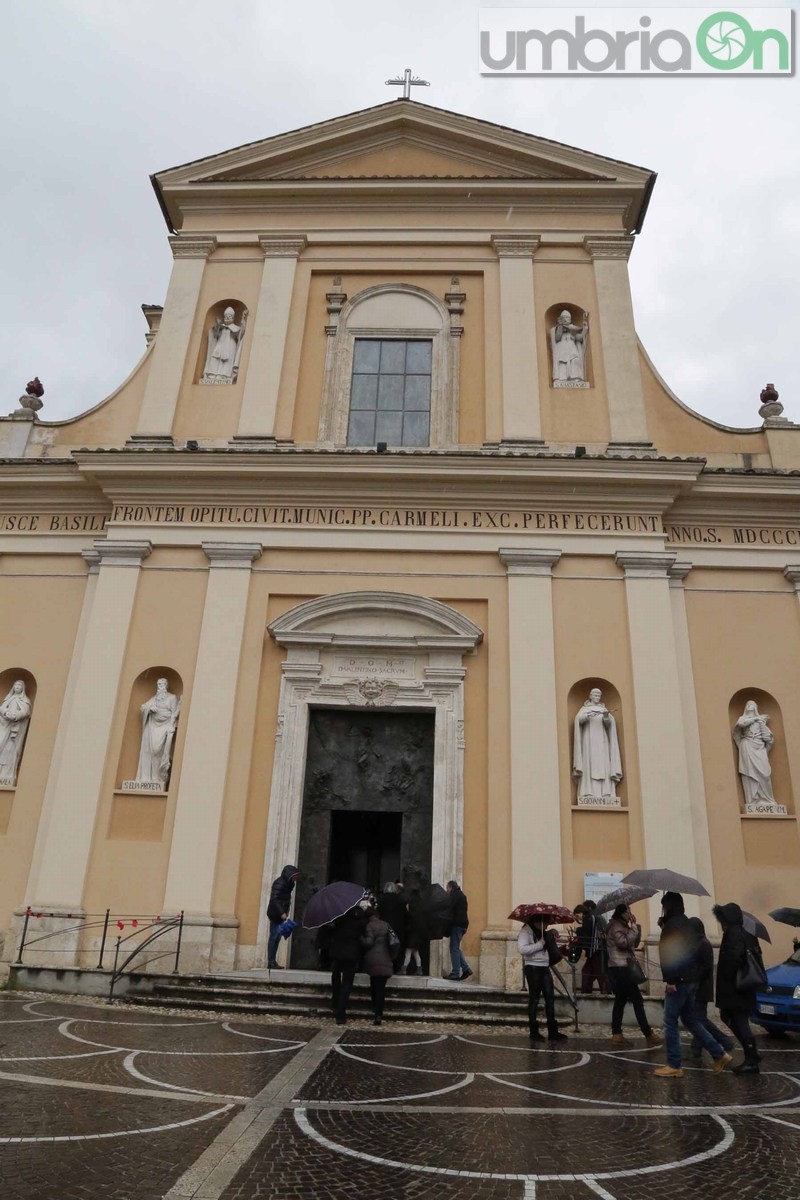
101 93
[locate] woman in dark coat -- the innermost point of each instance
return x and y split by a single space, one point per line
344 950
418 937
377 962
735 1006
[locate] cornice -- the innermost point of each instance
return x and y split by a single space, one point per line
645 564
609 246
792 573
532 561
186 246
677 572
121 553
511 245
282 247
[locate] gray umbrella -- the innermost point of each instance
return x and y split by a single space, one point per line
786 916
661 879
754 926
627 894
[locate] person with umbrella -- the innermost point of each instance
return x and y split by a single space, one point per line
705 992
622 938
735 1002
679 952
539 949
344 949
280 901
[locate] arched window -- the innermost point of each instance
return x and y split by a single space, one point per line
391 373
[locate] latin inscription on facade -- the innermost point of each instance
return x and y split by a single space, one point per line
362 666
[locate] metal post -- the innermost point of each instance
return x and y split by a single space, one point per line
114 972
178 947
24 935
103 942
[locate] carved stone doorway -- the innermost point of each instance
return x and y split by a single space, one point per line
367 804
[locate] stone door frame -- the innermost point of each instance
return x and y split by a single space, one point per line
369 650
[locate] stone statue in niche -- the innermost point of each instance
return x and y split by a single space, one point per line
15 715
755 740
596 761
225 340
159 722
568 342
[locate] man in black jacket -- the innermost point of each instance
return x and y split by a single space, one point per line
280 901
459 967
679 952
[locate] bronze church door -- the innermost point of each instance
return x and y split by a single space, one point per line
367 805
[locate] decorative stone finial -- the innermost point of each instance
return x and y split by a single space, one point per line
30 402
770 404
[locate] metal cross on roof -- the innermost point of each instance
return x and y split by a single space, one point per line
406 81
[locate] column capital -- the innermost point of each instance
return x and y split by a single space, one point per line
520 561
609 246
236 555
678 572
792 573
282 247
120 554
192 247
92 558
515 245
645 564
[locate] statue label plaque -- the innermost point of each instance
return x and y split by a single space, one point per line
766 810
143 785
598 802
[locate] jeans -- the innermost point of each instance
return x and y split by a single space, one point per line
342 977
681 1005
540 983
458 963
626 990
273 941
701 1012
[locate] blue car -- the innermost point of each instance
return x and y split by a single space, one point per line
778 1006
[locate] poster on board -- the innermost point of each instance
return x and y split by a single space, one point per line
597 883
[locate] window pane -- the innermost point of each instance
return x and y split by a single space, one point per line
415 429
390 391
362 429
366 355
393 358
418 358
389 428
418 392
364 391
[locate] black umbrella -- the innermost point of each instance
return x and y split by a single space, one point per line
661 879
756 927
331 902
786 916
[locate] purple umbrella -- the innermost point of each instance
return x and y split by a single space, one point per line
331 902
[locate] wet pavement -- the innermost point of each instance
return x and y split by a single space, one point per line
117 1104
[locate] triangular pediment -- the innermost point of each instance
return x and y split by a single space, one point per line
402 139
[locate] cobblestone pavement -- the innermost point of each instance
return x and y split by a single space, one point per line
117 1104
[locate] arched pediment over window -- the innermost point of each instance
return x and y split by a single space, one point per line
392 370
387 619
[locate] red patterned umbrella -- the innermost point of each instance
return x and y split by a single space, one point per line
556 914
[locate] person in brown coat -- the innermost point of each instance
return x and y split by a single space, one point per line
377 962
622 938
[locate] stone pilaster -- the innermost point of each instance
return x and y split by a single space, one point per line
268 340
201 790
623 376
668 810
522 421
61 855
533 732
160 398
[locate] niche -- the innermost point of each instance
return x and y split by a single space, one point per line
15 725
752 801
586 792
165 731
569 353
221 343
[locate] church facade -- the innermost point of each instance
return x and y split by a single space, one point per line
394 557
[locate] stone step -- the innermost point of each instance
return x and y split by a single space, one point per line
322 995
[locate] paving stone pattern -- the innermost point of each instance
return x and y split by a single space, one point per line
105 1103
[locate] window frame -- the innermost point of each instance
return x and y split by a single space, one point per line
404 409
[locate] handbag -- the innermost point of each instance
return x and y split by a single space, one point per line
750 976
393 942
553 952
636 974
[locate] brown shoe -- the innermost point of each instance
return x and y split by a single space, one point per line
617 1039
654 1039
669 1073
721 1063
